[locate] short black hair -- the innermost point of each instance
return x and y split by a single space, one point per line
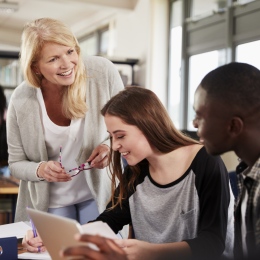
234 83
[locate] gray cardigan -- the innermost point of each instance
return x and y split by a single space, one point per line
26 144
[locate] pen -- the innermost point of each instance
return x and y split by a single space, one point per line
60 157
35 233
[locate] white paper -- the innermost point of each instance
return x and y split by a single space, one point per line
17 229
98 228
27 255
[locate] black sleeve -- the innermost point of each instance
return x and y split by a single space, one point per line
119 216
212 184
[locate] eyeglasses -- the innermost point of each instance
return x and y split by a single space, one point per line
79 169
75 171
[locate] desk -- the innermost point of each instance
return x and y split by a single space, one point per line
9 188
20 248
9 185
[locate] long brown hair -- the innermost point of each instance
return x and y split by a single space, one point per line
142 108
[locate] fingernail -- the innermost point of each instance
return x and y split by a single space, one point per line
77 236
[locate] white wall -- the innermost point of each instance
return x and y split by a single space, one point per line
132 37
231 160
143 34
157 76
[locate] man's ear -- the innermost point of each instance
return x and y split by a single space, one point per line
236 126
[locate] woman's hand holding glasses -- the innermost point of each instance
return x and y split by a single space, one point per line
52 171
99 157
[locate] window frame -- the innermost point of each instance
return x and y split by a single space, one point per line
226 29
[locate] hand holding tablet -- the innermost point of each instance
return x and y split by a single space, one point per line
58 232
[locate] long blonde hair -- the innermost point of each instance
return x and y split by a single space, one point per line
142 108
46 30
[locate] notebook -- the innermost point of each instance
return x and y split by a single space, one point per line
58 232
17 229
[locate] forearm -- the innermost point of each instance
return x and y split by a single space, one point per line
177 250
24 170
137 249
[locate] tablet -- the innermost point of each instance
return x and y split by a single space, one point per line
58 232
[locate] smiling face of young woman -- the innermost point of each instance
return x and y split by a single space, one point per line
128 140
57 64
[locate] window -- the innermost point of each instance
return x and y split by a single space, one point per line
174 96
10 74
205 8
243 1
89 45
104 41
200 65
205 35
247 53
95 43
175 76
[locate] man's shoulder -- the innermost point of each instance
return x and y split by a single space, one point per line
255 170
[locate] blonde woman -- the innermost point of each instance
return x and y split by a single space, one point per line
57 139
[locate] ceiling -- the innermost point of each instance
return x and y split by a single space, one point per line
80 15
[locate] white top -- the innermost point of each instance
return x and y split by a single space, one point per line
70 138
26 141
243 217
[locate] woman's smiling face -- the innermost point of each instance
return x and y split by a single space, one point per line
57 64
128 140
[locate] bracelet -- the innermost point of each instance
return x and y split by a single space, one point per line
40 179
